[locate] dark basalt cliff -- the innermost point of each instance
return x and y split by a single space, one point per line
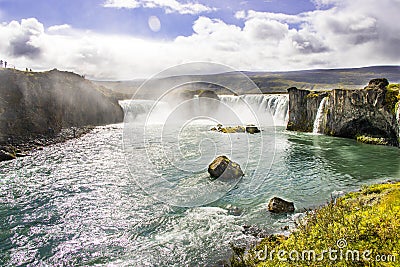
372 112
42 103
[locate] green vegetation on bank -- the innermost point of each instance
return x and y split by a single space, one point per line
393 96
372 140
359 229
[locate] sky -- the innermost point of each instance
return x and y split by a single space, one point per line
128 39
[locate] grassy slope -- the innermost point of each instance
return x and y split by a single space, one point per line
367 220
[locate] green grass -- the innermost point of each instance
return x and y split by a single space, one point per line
368 220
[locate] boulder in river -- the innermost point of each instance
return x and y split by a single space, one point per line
279 205
236 129
223 167
228 129
252 129
234 210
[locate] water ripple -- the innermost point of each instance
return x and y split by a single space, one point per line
76 203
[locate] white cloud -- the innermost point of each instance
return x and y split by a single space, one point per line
122 3
356 33
58 28
265 29
241 14
308 43
324 3
170 6
22 39
291 19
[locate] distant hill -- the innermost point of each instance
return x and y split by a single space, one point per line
278 82
40 103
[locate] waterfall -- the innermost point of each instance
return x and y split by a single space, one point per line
319 118
140 110
258 109
263 109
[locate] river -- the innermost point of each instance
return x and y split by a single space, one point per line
77 203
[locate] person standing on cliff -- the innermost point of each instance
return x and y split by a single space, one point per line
1 63
5 64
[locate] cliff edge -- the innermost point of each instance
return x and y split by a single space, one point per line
371 113
42 103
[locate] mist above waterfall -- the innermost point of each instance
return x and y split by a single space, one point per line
262 110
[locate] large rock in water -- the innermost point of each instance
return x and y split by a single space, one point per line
228 129
41 103
279 205
252 129
224 168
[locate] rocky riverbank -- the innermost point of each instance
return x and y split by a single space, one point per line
364 223
43 108
16 148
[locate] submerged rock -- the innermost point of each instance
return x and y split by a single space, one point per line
224 168
234 210
279 205
255 231
20 155
6 156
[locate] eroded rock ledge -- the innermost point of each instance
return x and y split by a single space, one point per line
372 111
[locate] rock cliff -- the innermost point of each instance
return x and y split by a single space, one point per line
42 103
372 111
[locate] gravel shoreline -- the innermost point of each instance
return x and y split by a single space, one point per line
24 147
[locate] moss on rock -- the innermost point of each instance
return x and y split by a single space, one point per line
372 140
392 97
